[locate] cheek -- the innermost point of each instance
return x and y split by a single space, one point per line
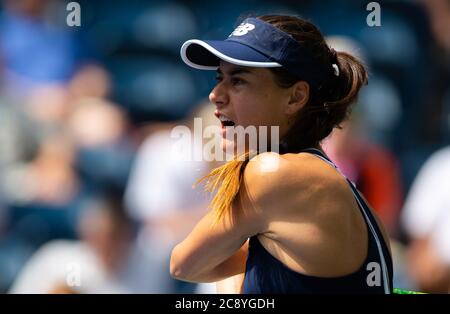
247 116
262 108
268 112
245 109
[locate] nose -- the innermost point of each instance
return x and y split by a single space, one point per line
219 95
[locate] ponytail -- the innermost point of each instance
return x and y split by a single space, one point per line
344 87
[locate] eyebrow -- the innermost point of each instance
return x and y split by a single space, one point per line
240 70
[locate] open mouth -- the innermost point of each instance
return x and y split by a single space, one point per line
224 120
227 123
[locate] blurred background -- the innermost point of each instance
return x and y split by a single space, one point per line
92 198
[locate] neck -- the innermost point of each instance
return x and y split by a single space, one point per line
290 147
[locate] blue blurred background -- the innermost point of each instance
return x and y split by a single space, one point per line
88 188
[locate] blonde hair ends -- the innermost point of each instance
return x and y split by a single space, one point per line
226 181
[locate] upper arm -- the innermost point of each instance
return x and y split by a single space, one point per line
209 244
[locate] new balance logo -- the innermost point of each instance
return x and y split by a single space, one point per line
242 29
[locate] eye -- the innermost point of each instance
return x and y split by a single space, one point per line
237 81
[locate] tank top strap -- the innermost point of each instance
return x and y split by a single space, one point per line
370 220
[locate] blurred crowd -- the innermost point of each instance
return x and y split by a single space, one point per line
93 196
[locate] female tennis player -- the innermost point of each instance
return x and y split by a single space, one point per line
303 228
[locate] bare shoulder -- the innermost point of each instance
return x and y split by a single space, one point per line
273 171
287 180
287 168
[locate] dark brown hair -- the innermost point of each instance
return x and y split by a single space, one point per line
329 103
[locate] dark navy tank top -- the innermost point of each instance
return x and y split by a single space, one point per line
266 274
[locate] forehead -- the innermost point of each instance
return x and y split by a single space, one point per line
230 69
226 67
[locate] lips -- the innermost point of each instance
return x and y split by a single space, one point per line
224 120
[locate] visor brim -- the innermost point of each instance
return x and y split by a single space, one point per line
206 54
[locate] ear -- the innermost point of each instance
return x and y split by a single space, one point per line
299 97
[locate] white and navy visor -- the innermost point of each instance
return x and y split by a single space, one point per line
255 43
